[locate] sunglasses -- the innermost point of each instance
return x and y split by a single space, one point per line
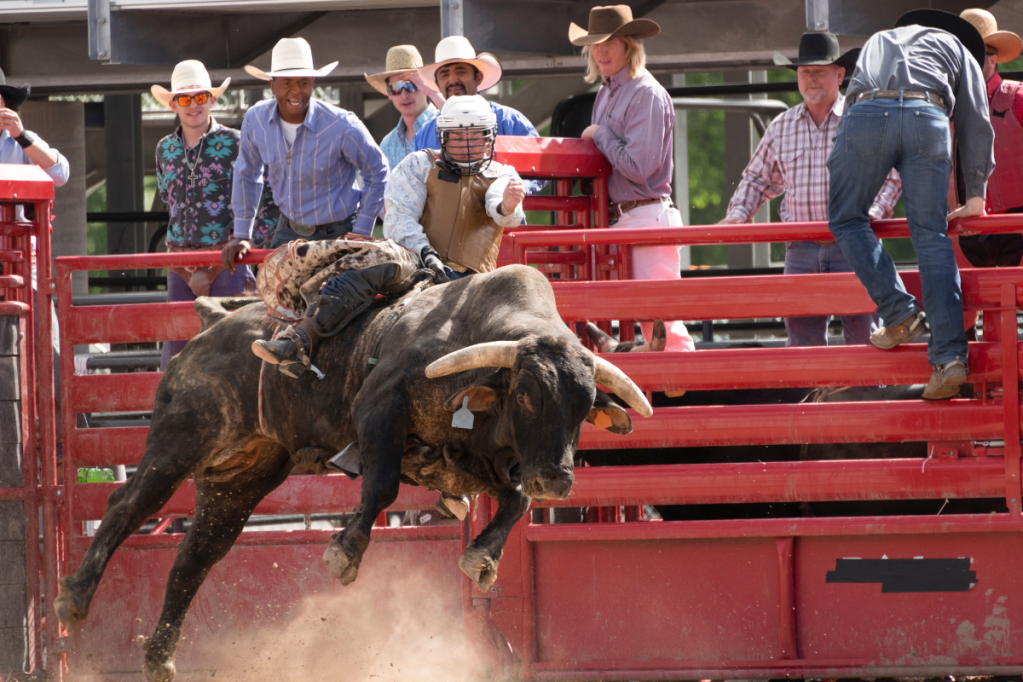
399 87
199 97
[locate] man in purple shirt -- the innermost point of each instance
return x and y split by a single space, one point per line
633 118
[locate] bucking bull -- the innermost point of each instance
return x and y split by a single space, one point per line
494 342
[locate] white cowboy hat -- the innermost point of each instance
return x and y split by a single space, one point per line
291 58
1008 44
458 49
188 77
400 59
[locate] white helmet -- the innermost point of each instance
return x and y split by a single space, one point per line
466 113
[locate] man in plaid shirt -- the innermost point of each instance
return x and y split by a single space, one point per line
792 160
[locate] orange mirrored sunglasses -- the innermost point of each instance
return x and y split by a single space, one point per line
199 97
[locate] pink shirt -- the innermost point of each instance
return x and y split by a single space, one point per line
636 119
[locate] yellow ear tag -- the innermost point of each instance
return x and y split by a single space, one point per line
602 421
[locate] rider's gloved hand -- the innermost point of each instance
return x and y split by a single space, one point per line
431 259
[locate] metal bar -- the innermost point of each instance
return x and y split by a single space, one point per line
1010 399
556 203
162 525
772 528
528 576
732 670
14 309
126 216
755 233
154 260
258 538
787 598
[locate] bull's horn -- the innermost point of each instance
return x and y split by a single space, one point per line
492 354
621 385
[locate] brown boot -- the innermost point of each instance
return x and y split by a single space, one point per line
946 380
911 328
295 344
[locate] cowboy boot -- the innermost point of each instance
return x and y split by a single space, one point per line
355 291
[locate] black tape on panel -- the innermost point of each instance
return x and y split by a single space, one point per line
906 575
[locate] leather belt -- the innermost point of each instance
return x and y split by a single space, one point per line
826 242
906 94
616 210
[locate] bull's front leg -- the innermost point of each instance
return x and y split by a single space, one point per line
381 441
480 559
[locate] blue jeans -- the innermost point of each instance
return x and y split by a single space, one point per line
285 234
913 137
807 258
340 284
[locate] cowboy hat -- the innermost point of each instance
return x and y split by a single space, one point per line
819 49
1007 43
457 49
966 32
189 76
613 21
291 58
400 59
13 97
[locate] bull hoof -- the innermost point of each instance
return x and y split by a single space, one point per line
477 564
71 605
158 671
340 565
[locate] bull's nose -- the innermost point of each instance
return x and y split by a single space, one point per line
549 486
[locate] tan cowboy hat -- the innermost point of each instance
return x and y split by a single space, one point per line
400 59
189 76
1008 44
291 58
613 21
458 49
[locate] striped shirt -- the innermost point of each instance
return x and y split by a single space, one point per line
396 146
792 160
11 152
636 119
313 182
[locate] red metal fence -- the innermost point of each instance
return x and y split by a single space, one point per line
636 599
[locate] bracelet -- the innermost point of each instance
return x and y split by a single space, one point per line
26 139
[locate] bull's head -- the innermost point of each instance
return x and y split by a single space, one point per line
542 402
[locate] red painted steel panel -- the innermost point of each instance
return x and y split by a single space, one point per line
785 482
26 183
297 495
277 613
113 392
132 323
909 420
751 297
551 156
930 628
668 601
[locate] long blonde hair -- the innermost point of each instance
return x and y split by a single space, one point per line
634 52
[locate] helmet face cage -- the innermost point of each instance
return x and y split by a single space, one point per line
466 147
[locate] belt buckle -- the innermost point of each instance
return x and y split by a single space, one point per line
301 229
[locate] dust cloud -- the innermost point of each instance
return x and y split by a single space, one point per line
405 629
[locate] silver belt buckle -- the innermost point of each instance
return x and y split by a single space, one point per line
301 229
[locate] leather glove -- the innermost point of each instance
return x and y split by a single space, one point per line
431 259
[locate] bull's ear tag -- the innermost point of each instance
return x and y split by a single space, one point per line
602 421
463 418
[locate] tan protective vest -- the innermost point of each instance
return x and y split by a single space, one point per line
455 218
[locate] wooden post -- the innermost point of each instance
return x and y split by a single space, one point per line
13 592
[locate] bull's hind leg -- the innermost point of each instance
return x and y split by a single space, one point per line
167 463
480 559
222 508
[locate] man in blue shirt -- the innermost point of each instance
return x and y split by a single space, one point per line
458 70
401 83
312 150
21 146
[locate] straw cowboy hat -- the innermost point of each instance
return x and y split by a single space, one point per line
291 58
400 59
966 32
1008 44
189 76
613 21
819 49
457 49
13 97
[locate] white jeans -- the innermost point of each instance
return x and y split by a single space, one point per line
658 262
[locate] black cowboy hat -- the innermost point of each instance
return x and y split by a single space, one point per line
966 32
15 97
819 49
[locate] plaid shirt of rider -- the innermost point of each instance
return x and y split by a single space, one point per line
792 160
